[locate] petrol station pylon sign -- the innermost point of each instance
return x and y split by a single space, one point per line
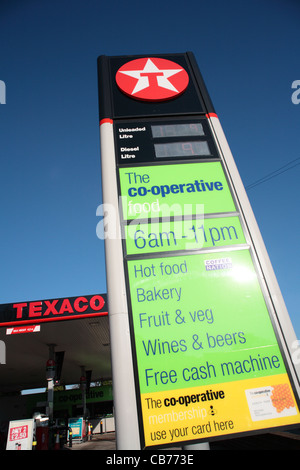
200 335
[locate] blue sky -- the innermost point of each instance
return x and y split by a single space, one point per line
248 53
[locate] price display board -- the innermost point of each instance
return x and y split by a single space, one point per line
207 342
20 434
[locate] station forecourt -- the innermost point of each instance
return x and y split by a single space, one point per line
74 332
82 340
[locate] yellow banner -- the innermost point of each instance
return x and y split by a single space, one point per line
222 409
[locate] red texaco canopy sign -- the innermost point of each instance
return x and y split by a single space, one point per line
152 79
40 311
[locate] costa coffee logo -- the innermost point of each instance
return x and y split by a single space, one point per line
152 79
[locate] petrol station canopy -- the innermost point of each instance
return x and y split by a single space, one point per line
77 326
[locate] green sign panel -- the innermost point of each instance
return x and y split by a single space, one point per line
173 190
207 356
180 322
183 235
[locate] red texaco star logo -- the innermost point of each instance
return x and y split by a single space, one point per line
152 79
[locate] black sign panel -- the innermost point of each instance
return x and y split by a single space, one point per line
117 104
